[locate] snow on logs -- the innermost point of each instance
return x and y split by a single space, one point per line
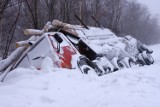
65 26
30 32
4 64
26 42
56 24
46 28
21 47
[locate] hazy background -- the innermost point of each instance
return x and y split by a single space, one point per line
153 5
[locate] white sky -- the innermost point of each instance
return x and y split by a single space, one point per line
153 5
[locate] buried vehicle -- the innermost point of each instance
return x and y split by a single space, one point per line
120 51
72 46
63 53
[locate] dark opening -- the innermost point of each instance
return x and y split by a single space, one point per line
84 49
58 38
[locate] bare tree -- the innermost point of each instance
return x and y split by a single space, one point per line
51 6
11 32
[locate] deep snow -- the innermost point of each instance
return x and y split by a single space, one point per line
54 87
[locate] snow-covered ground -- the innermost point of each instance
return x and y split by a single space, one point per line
54 87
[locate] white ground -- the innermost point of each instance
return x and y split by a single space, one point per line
53 87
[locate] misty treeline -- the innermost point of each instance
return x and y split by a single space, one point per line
123 17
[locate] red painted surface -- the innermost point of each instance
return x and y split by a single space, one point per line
66 57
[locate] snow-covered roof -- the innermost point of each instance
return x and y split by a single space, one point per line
95 31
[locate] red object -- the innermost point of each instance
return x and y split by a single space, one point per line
66 57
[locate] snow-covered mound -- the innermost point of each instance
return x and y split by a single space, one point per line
55 87
105 42
156 52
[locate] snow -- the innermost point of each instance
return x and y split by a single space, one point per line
94 31
156 52
7 62
107 43
55 87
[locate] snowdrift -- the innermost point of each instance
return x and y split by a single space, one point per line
129 87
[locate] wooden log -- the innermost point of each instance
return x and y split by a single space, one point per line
30 32
48 26
58 23
12 58
65 27
26 42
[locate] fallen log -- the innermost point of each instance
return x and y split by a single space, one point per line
26 42
65 27
36 32
48 26
30 32
11 59
57 23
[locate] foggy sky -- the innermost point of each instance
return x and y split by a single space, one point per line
153 5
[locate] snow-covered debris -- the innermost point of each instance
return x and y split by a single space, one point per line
13 57
61 41
47 64
156 52
133 87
